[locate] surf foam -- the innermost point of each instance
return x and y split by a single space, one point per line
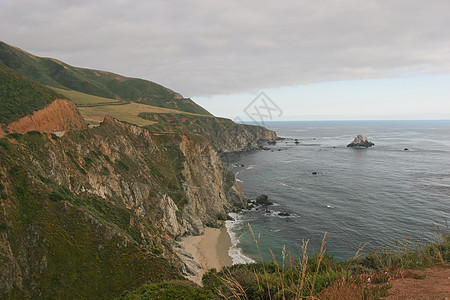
234 251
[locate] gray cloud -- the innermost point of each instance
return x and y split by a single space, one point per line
205 47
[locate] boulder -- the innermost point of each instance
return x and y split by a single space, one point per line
361 141
263 199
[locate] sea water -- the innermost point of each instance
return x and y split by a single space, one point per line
396 189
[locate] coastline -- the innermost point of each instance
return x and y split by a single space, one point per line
209 250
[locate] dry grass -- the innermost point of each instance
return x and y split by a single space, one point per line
127 112
321 277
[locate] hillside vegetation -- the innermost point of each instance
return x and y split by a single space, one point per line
20 96
60 75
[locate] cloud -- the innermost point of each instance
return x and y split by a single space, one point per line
204 48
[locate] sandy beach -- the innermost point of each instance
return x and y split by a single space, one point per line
209 250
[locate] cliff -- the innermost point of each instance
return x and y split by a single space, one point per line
224 134
95 212
59 115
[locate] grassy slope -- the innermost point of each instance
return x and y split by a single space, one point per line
57 74
80 98
20 96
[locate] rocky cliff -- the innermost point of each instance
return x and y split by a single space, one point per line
60 115
224 134
95 212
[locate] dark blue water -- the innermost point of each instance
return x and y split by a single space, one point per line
373 195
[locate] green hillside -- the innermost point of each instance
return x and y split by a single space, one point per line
20 96
57 74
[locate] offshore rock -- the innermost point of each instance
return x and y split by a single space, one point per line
361 141
263 199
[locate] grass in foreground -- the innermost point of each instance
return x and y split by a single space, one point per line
317 277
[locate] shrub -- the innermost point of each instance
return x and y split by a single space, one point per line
55 197
122 165
3 226
176 289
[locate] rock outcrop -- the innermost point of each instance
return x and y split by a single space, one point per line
361 141
60 115
263 199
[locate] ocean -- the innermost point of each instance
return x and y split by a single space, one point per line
376 195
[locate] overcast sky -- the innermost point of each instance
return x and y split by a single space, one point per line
314 59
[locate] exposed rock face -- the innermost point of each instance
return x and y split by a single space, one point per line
99 200
60 115
211 187
243 138
361 141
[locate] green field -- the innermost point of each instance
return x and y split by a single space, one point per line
80 98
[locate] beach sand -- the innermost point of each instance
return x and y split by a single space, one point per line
209 250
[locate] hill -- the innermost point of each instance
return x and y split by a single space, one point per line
20 96
57 74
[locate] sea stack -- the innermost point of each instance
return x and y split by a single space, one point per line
361 141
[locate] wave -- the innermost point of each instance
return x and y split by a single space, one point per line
250 167
292 187
286 161
234 251
276 213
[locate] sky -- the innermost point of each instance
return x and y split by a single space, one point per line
342 59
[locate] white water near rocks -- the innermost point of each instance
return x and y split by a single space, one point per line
373 195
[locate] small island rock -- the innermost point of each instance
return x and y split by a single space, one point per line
361 141
284 214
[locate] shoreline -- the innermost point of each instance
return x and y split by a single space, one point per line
209 251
